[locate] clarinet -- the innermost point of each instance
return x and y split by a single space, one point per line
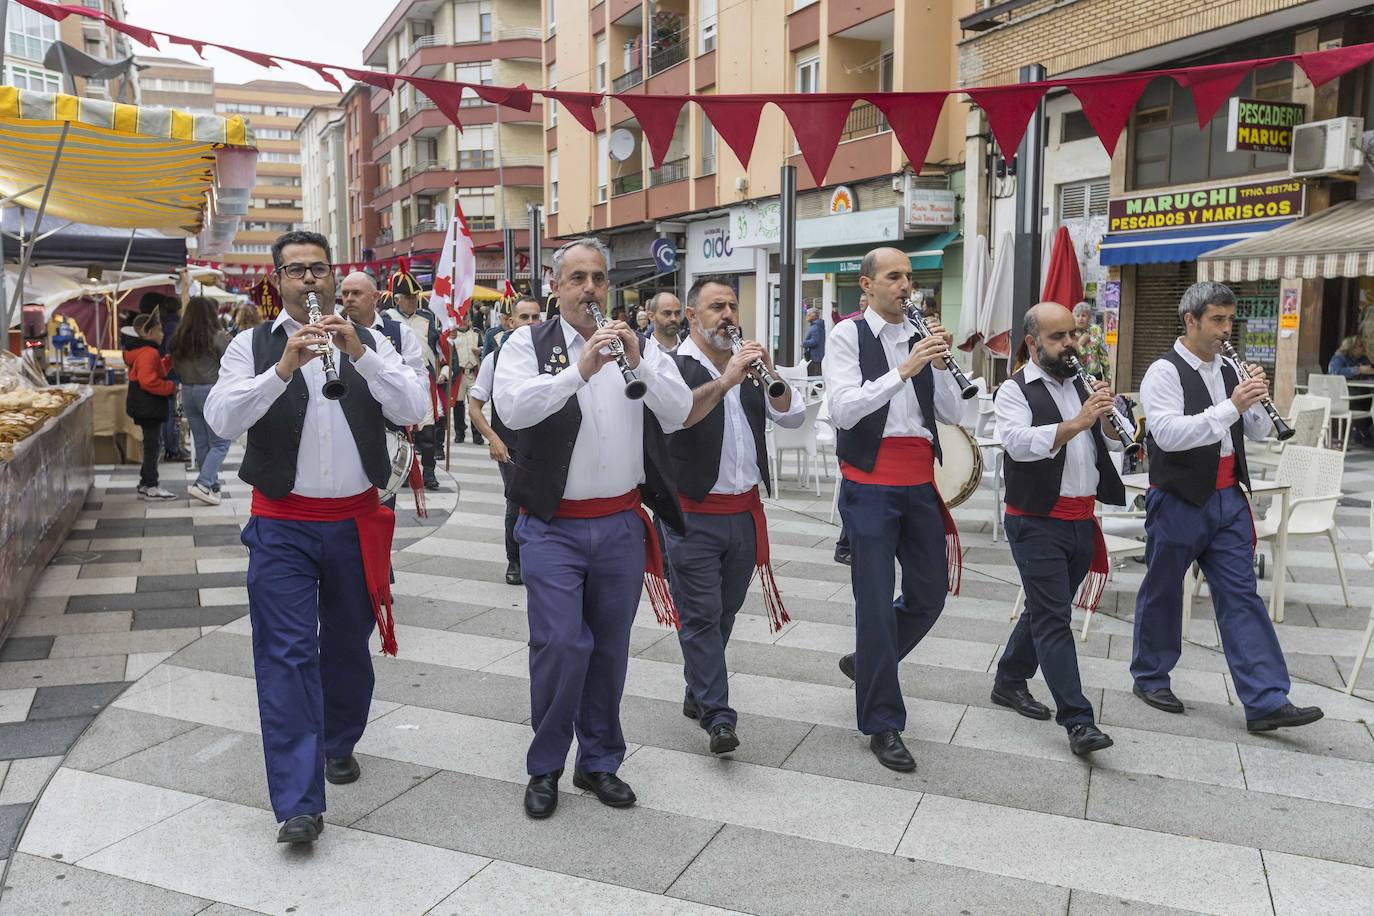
776 386
1282 430
1127 438
634 387
334 387
912 307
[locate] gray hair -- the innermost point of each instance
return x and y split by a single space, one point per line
1082 308
1030 325
1197 297
588 241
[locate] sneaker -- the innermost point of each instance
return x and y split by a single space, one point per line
156 492
142 491
204 494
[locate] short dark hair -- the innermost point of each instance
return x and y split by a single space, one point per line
694 293
524 298
1199 296
299 237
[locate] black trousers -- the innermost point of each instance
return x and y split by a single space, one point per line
512 513
152 432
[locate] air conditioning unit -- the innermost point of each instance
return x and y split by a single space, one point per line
1326 147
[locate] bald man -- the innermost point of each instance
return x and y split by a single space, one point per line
1057 465
665 320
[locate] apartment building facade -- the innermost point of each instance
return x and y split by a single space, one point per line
324 203
360 132
493 168
166 82
31 60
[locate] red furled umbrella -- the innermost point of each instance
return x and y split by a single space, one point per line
1063 281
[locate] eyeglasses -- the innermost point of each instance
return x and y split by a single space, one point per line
319 270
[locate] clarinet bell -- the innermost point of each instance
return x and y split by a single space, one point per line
968 391
1284 432
334 387
635 388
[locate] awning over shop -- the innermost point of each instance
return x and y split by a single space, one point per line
925 251
1337 242
1170 245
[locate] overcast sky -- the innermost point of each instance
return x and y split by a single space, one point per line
328 31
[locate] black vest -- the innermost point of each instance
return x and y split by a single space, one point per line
1192 474
545 449
274 442
1033 486
859 445
696 451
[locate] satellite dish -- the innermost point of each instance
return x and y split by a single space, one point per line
621 145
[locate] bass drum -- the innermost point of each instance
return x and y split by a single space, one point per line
962 469
402 453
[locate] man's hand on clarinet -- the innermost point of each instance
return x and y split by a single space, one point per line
345 335
926 350
596 353
300 349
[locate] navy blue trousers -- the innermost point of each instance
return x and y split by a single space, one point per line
583 579
1218 536
512 513
312 619
1052 556
885 522
712 565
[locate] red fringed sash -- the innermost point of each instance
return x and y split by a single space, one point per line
722 504
1079 509
376 526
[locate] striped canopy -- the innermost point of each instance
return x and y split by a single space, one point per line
1336 242
123 166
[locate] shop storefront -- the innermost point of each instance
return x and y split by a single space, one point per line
927 254
710 251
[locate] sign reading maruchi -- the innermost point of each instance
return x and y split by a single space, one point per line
1239 203
1258 126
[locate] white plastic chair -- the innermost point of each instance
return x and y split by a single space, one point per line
1338 389
973 406
1309 429
801 440
1369 630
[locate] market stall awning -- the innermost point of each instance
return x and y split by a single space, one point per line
79 244
1170 245
121 165
1337 242
926 252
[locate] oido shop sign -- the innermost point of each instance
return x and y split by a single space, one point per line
1242 203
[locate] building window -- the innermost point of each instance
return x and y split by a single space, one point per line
273 133
809 75
158 84
706 31
708 148
271 156
30 33
479 206
33 79
477 148
1079 199
484 26
552 104
553 181
603 165
601 62
478 74
237 108
1074 125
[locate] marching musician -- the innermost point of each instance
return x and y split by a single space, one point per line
1057 466
318 542
406 308
1198 411
720 460
585 457
886 388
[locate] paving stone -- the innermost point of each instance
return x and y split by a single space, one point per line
40 737
189 617
42 886
1305 885
74 700
42 606
25 779
15 703
1085 903
53 672
81 604
11 820
136 640
159 567
117 733
188 582
460 690
636 847
25 648
217 540
764 740
225 653
435 613
1305 776
78 552
94 622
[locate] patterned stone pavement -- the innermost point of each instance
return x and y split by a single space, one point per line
127 709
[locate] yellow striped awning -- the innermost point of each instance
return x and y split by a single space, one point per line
123 165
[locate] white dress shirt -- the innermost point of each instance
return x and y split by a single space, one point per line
1161 393
850 399
608 456
1027 443
739 466
419 326
481 389
411 354
328 464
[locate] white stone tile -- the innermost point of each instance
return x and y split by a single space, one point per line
26 779
783 801
243 626
1334 703
59 672
226 564
218 597
140 663
1190 685
458 550
928 720
118 585
933 650
61 624
15 703
506 889
1301 886
442 647
1123 862
1332 779
159 676
84 644
225 852
81 813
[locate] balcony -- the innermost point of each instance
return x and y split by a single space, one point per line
627 184
628 80
510 162
673 170
667 55
516 34
424 41
384 237
864 120
426 165
426 225
382 188
989 17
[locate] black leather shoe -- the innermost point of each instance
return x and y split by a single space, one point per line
342 770
610 789
842 555
691 710
1286 716
847 665
478 440
513 574
303 828
541 795
1020 699
1162 699
431 481
891 752
723 738
1084 739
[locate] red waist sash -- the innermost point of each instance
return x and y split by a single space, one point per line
751 502
1078 509
376 525
1226 472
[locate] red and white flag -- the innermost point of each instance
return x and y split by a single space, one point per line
456 273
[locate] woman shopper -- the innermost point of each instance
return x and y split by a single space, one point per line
196 349
246 318
148 397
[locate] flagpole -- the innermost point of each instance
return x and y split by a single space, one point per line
452 350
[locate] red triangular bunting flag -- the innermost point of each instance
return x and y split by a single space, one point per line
518 97
817 120
198 46
579 104
657 116
1008 110
913 117
320 69
262 60
142 36
1212 85
1108 103
1324 66
373 78
736 120
447 97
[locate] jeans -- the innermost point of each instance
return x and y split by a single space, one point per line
171 438
147 476
210 448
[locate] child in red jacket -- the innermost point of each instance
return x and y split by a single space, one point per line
148 397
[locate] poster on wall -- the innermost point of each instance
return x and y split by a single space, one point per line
1288 308
1261 340
1110 324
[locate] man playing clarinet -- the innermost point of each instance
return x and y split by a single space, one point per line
1198 411
886 387
585 456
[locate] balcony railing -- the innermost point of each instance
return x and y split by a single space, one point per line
423 103
628 80
384 237
382 188
424 41
513 34
627 184
522 161
425 165
864 120
672 170
668 55
426 225
708 165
